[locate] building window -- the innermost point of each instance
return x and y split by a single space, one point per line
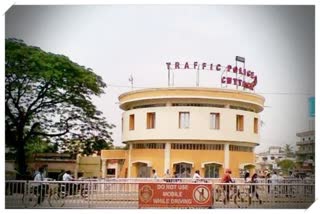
255 125
131 122
184 118
181 146
240 148
111 172
212 171
148 146
239 122
214 120
151 120
183 170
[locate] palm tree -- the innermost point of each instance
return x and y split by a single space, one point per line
288 150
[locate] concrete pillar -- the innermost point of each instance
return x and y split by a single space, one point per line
104 168
167 150
226 155
129 161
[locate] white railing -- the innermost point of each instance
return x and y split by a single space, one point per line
123 193
263 195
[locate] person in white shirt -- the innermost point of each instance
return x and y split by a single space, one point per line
247 177
154 174
40 188
67 176
70 187
39 176
274 177
196 175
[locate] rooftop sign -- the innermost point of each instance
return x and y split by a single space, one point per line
231 75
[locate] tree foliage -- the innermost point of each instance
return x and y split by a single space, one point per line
286 165
48 95
288 150
90 146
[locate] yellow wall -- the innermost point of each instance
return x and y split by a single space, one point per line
237 158
154 156
90 166
114 154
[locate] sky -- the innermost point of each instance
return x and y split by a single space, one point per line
117 41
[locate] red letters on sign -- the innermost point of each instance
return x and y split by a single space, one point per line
168 65
235 69
177 65
233 78
229 67
195 64
218 67
204 65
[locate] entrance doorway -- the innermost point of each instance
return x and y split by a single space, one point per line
143 170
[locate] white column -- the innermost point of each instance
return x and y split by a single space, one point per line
167 150
129 161
226 155
104 167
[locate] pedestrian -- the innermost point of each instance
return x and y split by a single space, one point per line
268 178
39 187
253 188
274 182
196 176
226 188
274 177
167 176
45 170
67 176
59 178
176 177
247 177
70 188
154 174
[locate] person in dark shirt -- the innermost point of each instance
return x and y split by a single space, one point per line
59 178
253 188
226 188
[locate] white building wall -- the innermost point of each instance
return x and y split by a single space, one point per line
167 124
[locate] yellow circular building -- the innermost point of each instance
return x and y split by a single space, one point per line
188 129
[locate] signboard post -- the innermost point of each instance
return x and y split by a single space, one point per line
168 195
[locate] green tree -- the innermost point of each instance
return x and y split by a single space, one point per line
286 165
39 145
48 95
88 147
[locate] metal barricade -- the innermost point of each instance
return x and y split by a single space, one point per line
263 195
124 193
